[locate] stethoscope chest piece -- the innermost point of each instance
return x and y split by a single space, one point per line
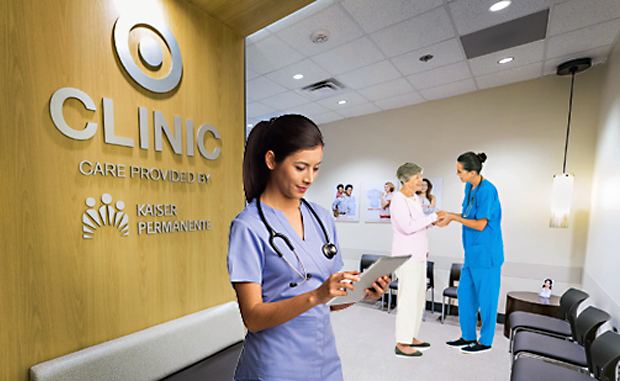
330 250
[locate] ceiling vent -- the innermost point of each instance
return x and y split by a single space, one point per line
513 33
322 89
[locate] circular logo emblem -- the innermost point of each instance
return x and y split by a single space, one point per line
150 53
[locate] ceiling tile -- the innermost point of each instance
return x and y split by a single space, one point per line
308 109
387 89
370 75
445 53
351 97
598 55
506 77
300 15
398 101
441 76
523 55
285 100
261 88
453 89
415 33
333 19
474 15
311 71
327 118
578 14
363 109
270 54
373 15
350 56
256 109
583 39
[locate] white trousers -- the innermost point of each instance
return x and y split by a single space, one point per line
411 299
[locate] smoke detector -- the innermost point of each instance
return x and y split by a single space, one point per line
320 36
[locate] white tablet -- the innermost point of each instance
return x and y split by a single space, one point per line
383 266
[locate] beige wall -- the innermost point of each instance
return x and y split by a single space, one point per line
522 129
59 292
602 262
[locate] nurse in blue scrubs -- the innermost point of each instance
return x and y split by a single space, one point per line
283 258
479 286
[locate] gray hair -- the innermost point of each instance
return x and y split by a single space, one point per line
407 171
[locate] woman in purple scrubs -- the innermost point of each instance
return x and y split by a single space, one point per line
283 261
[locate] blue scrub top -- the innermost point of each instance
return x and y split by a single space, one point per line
303 348
483 249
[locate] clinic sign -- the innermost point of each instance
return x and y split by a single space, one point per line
160 126
149 218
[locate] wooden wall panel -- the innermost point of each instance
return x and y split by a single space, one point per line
59 292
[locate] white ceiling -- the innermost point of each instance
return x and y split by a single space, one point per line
374 48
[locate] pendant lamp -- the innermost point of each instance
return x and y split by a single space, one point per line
562 193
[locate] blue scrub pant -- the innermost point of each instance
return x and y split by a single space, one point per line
478 290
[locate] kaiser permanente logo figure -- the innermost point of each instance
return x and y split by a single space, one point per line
107 215
149 52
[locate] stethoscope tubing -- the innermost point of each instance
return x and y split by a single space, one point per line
329 249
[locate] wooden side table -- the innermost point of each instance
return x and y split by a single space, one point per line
530 302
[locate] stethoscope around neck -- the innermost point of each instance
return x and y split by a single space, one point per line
470 201
329 249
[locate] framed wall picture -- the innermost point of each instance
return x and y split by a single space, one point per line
378 200
346 204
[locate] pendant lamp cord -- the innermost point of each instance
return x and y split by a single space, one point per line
573 70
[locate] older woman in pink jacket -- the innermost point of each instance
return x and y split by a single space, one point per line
409 224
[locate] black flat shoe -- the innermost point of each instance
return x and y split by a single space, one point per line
399 353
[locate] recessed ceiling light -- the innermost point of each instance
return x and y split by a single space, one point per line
342 102
505 60
298 76
499 5
249 125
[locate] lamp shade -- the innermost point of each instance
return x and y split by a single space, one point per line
561 199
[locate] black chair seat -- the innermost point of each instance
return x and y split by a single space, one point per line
394 284
529 369
541 323
550 347
450 291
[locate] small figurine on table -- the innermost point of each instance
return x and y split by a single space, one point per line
545 291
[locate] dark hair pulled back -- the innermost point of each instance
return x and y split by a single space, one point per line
472 161
284 136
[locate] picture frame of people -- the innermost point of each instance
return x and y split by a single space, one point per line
378 199
346 201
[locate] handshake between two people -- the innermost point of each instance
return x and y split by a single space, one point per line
444 218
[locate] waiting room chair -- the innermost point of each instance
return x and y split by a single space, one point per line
450 291
430 285
560 328
365 261
605 355
368 259
573 354
392 287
